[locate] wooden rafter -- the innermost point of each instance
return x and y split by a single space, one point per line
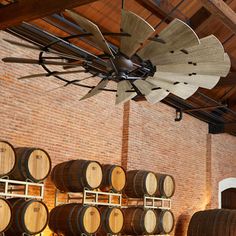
222 128
220 9
26 10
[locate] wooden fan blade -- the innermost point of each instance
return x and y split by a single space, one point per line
125 92
210 49
177 36
33 61
179 89
152 93
204 81
156 95
144 86
96 90
138 28
50 74
220 68
92 28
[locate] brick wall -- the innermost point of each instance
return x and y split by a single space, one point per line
137 135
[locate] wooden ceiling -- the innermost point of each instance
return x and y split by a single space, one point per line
216 106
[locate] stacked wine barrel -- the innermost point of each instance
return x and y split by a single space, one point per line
139 221
75 176
24 163
18 215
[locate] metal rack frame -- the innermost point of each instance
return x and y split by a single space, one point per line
165 203
91 197
9 188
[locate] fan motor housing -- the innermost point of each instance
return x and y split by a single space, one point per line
123 64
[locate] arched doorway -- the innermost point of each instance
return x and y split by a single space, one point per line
227 193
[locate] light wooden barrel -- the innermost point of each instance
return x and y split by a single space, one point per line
29 216
114 178
216 222
165 221
112 221
138 221
166 185
32 163
140 183
75 175
7 158
5 215
74 219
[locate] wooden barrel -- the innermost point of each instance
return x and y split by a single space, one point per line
29 216
215 222
75 175
114 178
138 221
165 185
5 215
32 163
7 158
165 221
112 221
140 183
74 219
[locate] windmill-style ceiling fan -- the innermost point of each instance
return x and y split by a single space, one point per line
176 61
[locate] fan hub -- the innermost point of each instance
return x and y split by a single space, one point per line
123 64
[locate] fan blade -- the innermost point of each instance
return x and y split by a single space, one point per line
50 74
220 68
125 92
97 89
209 50
92 28
204 81
152 93
179 89
33 61
177 36
138 28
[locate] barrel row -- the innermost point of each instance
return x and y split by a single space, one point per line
75 175
215 222
24 163
77 219
20 216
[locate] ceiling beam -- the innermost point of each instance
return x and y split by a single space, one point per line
220 9
155 9
228 81
26 10
222 128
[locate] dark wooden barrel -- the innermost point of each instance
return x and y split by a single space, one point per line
29 216
216 222
112 221
165 221
7 158
5 214
74 219
32 163
138 221
114 178
140 183
165 185
75 175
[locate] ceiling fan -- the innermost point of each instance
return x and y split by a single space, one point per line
175 61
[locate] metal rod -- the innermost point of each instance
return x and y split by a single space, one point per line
204 108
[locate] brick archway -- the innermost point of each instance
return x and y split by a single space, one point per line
223 185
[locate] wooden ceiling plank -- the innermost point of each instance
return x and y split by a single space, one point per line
26 10
220 9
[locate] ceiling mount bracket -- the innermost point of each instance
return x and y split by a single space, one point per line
179 114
